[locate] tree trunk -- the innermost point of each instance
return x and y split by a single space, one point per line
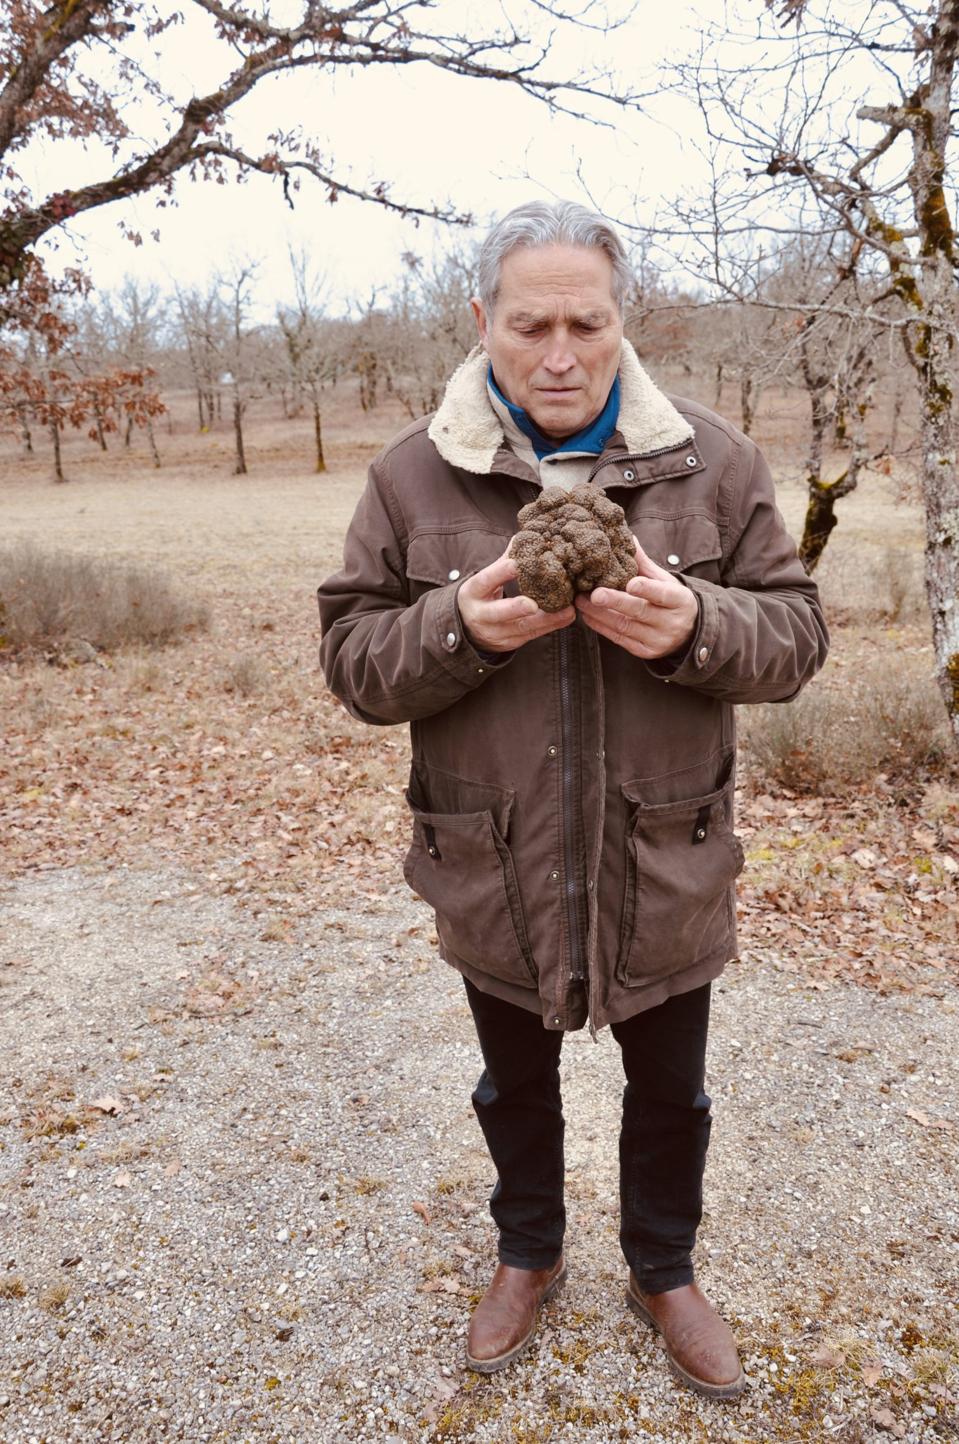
57 461
318 433
128 433
940 489
746 402
98 419
25 434
153 445
199 407
719 385
240 468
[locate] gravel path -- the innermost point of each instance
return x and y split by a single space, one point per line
243 1195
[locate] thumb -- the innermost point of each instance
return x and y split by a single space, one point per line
491 579
649 568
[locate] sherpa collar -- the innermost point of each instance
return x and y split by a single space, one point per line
467 432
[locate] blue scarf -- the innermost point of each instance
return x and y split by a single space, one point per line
593 438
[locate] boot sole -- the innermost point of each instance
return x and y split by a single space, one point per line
701 1386
490 1366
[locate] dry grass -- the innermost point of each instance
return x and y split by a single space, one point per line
246 675
57 601
883 719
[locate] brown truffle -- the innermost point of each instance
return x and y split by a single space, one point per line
569 542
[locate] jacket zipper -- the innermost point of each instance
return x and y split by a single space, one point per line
577 966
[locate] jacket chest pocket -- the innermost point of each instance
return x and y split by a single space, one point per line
460 863
682 858
684 543
442 558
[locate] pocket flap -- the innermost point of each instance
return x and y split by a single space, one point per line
689 787
679 543
443 557
443 799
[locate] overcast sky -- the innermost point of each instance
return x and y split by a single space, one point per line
480 144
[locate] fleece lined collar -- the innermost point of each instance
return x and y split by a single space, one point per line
467 432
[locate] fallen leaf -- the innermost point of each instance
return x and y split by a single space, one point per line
172 1168
825 1357
865 857
122 1180
107 1104
871 1372
883 1418
423 1211
917 1114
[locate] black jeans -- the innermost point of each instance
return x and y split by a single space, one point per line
662 1143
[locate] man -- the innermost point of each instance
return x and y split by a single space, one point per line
572 775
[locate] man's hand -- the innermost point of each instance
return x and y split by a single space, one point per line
501 624
654 616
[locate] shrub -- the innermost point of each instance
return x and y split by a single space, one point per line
885 588
837 737
246 675
54 600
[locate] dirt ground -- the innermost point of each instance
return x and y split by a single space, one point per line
234 1065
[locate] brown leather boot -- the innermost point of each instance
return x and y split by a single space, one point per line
699 1344
504 1320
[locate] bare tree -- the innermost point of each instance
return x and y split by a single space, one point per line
203 326
67 68
238 351
431 328
311 350
855 114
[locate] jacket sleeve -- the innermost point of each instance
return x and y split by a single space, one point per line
389 659
761 634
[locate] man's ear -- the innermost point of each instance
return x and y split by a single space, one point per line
479 312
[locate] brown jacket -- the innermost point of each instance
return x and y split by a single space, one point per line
572 805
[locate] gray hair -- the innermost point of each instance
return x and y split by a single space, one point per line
551 223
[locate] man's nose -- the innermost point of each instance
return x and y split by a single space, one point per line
559 356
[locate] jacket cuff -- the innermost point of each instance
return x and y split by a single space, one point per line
449 638
698 661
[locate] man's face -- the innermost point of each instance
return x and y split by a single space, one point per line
555 336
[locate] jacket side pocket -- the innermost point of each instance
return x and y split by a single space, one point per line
682 859
461 865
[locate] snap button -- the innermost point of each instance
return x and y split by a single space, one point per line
673 559
629 475
703 653
552 751
454 575
433 852
700 833
691 461
554 876
481 670
451 639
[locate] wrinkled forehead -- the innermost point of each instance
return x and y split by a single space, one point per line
556 282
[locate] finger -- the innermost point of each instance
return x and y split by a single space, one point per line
647 567
605 625
504 609
527 629
654 591
487 583
608 600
